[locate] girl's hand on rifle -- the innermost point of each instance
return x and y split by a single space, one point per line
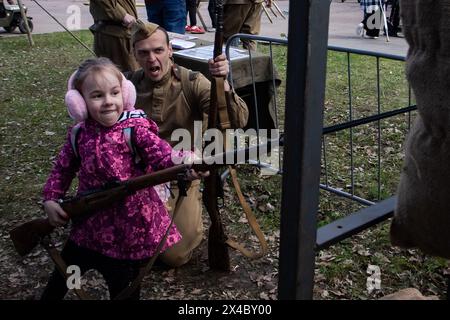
219 67
56 215
193 175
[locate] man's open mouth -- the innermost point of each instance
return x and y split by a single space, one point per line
155 69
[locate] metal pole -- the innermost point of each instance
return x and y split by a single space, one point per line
64 27
278 9
267 14
383 12
305 91
25 20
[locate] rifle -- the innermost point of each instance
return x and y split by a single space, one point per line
218 256
28 235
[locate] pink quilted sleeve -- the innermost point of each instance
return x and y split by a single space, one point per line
155 152
64 169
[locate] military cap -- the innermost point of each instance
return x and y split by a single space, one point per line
142 30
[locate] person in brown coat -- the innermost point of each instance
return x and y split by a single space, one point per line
112 31
422 215
243 16
174 97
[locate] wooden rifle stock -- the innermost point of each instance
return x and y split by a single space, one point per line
218 256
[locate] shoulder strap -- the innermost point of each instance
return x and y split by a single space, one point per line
74 137
186 76
134 76
127 132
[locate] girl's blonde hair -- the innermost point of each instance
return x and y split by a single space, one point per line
94 65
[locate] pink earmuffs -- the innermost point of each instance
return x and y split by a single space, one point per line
76 106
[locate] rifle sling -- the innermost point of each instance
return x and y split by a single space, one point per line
125 293
251 221
222 104
62 268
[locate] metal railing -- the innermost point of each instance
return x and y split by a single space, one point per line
377 210
349 125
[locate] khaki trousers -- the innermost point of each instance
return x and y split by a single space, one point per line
189 223
242 18
117 49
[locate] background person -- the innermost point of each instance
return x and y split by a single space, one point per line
243 16
191 6
372 21
212 14
170 14
112 25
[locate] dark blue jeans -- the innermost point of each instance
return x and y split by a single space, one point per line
169 14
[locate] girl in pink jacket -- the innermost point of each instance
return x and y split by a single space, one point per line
116 241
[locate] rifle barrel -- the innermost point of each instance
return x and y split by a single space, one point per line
218 37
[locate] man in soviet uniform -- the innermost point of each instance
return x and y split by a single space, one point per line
174 97
112 31
243 16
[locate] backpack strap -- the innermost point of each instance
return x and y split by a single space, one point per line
128 134
73 139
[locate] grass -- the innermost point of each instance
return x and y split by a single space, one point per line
341 269
34 121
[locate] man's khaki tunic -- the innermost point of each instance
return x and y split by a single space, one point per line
111 38
165 102
242 16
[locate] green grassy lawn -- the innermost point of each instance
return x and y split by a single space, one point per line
34 122
342 270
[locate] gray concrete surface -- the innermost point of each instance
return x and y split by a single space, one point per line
344 18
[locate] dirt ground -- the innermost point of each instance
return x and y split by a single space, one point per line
25 278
